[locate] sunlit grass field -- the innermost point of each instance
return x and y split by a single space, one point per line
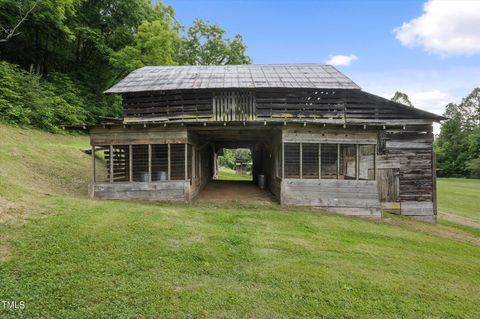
67 256
228 174
459 196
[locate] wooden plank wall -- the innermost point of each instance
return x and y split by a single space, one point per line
329 104
360 197
156 191
234 106
268 103
149 135
202 168
410 153
168 104
274 179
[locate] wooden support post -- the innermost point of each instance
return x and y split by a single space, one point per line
194 158
357 162
186 162
93 165
169 164
301 161
375 162
338 161
319 161
283 160
130 163
149 163
111 163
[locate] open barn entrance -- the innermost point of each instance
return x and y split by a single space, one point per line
234 165
240 162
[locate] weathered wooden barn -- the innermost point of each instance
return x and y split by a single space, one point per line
317 137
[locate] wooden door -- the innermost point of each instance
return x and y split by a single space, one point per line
388 184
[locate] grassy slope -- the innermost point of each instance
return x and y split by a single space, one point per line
75 257
459 196
228 174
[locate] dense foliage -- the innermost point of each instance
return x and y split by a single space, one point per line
72 50
231 155
458 145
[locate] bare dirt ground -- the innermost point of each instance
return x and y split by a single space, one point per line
235 191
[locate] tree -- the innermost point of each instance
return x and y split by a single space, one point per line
470 110
155 43
206 44
458 145
12 31
72 50
401 98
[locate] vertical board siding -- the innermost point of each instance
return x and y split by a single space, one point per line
234 106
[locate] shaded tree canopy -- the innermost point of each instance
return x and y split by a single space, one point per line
90 45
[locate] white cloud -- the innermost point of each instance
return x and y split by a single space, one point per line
341 59
431 101
445 28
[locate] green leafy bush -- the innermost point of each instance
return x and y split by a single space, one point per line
26 99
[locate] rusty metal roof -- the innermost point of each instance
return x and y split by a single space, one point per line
249 76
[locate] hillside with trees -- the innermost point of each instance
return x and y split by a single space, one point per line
58 56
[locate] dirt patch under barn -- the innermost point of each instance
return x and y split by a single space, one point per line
235 191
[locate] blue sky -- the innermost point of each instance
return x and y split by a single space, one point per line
435 59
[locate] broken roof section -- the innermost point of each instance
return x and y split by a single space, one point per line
249 76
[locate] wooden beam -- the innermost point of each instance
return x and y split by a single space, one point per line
169 164
301 160
338 161
319 161
93 164
130 163
149 163
111 163
357 163
186 161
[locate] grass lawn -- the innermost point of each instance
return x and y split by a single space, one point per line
67 256
459 196
227 174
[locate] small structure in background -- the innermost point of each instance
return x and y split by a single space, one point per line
315 138
240 166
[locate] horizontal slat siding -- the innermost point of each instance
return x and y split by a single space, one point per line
167 190
413 151
123 136
330 193
168 104
268 103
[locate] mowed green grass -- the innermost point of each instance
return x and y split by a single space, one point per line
67 256
459 196
228 174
